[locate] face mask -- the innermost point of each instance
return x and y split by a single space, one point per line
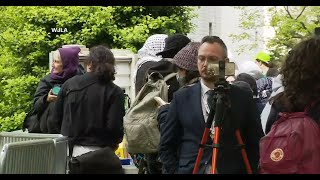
181 80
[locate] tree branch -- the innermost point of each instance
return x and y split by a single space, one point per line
297 36
304 8
287 9
304 26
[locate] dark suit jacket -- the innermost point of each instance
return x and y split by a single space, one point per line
184 126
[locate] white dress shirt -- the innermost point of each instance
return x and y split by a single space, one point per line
204 102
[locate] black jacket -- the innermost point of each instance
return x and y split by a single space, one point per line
40 104
141 76
185 126
41 107
91 111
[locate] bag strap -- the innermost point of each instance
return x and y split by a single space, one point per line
154 76
128 99
29 114
138 96
169 76
32 111
70 146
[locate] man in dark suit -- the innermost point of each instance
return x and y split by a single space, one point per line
188 113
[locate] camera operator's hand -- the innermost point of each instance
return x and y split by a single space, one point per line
51 97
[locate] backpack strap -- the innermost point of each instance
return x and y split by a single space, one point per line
154 76
169 76
71 142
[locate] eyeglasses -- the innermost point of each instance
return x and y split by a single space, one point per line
211 59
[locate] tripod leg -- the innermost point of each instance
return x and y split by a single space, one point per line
243 152
200 152
215 149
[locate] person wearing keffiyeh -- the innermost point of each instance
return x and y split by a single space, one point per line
147 58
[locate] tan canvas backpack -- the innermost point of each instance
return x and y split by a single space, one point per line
140 122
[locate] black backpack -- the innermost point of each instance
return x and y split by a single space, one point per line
32 122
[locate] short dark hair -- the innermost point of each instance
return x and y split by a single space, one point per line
215 39
250 80
103 61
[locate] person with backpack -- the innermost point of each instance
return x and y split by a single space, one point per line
292 143
173 44
187 75
147 58
90 107
188 113
64 66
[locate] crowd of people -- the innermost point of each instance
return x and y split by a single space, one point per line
90 107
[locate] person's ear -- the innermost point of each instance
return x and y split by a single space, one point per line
89 67
226 60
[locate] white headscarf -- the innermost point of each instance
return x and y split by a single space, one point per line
153 45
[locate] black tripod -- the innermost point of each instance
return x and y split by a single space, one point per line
217 113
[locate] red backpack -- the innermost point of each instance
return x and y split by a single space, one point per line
292 146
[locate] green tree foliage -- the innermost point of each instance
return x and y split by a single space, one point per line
249 22
26 38
290 23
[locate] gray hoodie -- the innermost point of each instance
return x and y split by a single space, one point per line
276 89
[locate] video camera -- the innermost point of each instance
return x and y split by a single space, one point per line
221 70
